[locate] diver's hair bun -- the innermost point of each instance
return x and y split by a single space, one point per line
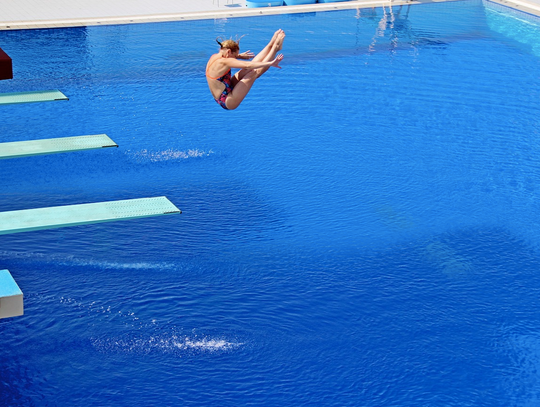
233 45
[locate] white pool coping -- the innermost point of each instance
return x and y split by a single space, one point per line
529 6
15 15
31 14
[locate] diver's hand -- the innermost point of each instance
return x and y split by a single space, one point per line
276 62
246 55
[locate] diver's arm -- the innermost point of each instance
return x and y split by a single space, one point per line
235 63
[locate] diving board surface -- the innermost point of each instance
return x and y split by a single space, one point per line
83 214
11 296
17 149
31 97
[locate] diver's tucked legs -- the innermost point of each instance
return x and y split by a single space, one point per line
244 82
264 52
263 55
241 89
278 45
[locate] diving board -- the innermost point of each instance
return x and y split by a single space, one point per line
31 97
11 296
17 149
73 215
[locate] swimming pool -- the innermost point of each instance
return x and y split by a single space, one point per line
363 230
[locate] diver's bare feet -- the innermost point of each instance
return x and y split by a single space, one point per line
279 40
275 36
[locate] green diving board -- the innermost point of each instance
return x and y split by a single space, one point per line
17 149
73 215
31 97
11 296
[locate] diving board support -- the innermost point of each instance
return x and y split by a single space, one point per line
6 66
73 215
11 296
17 149
31 97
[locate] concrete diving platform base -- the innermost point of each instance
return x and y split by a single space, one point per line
11 296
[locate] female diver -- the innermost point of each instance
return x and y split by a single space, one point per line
229 91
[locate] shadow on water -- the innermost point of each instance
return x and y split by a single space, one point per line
12 388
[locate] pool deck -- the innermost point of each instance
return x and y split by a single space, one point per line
28 14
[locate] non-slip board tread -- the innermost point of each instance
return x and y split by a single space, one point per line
17 149
31 97
82 214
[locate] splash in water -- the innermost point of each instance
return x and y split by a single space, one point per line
170 154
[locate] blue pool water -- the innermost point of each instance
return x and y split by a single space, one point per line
362 231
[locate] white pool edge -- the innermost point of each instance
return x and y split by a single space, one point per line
524 6
206 15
